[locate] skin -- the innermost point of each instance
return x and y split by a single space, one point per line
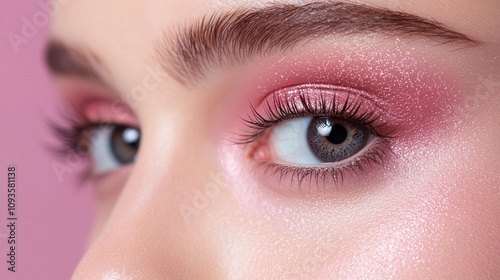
431 213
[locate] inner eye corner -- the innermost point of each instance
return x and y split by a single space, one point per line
257 147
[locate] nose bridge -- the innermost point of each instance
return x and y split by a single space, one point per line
157 229
147 235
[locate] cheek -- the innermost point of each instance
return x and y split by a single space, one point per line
107 190
440 219
435 217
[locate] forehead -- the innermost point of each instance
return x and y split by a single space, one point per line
77 18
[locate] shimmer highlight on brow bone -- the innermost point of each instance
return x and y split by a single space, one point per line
226 38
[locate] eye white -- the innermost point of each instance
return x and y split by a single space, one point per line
103 159
289 144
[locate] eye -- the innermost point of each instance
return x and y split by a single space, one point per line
318 134
317 140
113 146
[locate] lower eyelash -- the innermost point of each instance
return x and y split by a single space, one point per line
375 156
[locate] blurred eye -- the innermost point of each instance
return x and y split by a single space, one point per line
317 140
113 146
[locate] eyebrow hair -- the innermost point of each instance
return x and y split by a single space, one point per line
73 61
232 37
226 38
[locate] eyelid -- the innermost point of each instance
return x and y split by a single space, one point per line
341 98
318 100
94 102
109 111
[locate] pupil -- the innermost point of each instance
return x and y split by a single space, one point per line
338 134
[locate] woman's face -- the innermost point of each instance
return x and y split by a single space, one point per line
263 140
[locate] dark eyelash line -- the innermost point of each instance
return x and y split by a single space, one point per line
72 131
281 111
374 157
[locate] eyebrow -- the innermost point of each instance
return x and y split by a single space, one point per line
228 38
73 61
231 37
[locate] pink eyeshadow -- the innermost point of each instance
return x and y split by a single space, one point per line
109 111
95 103
408 91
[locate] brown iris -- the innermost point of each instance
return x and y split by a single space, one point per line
125 143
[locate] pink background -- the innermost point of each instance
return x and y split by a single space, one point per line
54 216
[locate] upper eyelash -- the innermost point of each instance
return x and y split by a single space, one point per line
70 130
284 110
65 129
